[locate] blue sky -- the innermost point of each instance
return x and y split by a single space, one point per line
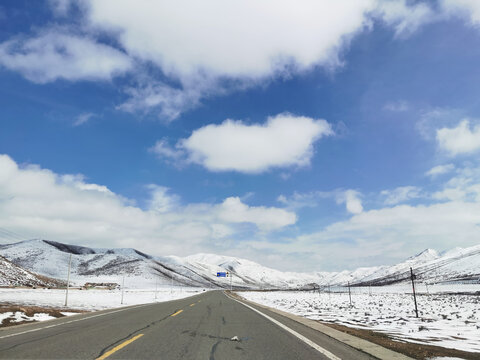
325 138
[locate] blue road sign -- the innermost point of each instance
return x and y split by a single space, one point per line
221 274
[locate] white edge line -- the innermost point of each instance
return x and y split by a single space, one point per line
293 332
72 321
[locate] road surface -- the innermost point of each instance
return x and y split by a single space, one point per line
198 327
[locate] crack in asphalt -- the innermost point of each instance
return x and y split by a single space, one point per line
194 333
212 352
187 346
32 341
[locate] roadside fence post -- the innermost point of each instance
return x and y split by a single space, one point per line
68 279
412 276
123 288
349 294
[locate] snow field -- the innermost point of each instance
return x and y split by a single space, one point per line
447 320
93 299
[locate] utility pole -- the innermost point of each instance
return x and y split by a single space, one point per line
171 286
412 276
231 276
349 294
123 288
68 279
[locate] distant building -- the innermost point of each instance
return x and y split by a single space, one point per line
105 286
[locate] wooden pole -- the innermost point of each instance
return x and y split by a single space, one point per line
68 279
349 294
412 276
123 287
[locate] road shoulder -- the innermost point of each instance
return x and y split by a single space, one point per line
365 346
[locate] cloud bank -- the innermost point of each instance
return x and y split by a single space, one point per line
445 219
202 49
39 203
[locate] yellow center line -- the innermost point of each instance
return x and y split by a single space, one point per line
192 304
178 312
118 347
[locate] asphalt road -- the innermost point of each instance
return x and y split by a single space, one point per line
199 327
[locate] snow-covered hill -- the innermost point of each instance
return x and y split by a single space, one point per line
14 275
51 259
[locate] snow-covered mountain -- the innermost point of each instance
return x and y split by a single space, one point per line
51 259
142 270
14 275
454 265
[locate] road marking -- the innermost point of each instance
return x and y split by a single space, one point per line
118 347
71 321
192 304
325 352
178 312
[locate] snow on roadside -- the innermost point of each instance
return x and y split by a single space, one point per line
448 320
19 316
92 299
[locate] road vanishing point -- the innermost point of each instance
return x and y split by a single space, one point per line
207 326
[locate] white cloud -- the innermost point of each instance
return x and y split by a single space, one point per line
78 182
198 43
206 48
248 38
232 210
439 223
40 203
160 200
463 186
451 194
400 194
432 119
469 9
283 141
459 140
352 201
379 237
169 101
164 151
54 55
83 118
301 200
440 170
403 17
390 234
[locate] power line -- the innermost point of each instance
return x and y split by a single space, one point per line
9 235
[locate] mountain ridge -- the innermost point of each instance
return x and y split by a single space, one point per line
50 258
